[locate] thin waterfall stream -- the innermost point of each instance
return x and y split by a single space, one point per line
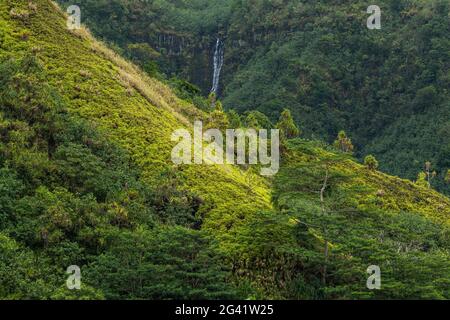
218 64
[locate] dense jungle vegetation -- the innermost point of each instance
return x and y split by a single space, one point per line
86 177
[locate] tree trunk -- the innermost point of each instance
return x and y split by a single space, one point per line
322 201
324 271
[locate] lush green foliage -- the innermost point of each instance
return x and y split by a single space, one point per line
387 88
411 250
287 127
71 197
86 179
371 162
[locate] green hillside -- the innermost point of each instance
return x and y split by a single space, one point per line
387 88
124 107
86 179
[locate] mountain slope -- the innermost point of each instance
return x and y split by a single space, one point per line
361 220
132 111
387 88
136 111
86 178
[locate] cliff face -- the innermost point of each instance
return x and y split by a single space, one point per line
192 56
189 57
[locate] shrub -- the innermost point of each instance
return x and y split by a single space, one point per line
343 143
20 14
371 162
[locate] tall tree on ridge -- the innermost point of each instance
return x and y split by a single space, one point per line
287 125
344 143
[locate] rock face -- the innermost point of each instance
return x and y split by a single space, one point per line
191 57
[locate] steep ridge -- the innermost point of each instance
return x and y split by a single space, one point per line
140 113
136 111
387 88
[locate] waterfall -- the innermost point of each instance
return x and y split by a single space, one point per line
218 64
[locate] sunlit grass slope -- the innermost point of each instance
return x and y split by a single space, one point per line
138 112
373 189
